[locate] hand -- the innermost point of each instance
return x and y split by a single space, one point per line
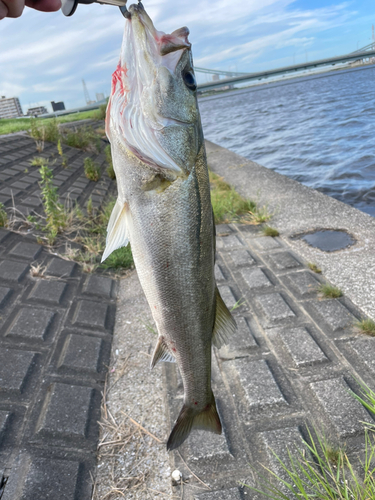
14 8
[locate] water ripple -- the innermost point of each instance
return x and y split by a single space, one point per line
317 131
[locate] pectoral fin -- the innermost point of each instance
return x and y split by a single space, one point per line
224 325
118 229
161 353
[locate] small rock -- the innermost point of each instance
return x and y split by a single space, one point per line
176 477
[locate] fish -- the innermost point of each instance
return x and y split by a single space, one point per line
164 208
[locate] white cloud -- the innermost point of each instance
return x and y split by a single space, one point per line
44 56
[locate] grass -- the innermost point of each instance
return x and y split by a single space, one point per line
38 161
230 206
3 216
8 126
270 231
320 473
108 157
367 326
329 291
92 169
61 223
313 267
326 472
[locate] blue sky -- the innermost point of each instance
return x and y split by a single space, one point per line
44 56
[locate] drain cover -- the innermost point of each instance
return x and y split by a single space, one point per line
329 240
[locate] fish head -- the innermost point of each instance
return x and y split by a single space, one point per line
153 107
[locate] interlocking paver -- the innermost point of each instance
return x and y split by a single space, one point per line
304 283
242 257
91 314
31 323
274 307
100 286
302 347
12 271
4 295
61 268
81 353
344 412
66 411
48 291
335 314
4 419
259 384
219 276
15 367
227 295
255 278
365 350
283 260
44 478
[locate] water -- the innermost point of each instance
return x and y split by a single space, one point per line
318 130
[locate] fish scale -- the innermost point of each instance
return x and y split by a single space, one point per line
164 208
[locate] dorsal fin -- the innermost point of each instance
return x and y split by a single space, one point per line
224 325
161 353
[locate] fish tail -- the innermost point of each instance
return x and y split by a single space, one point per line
188 419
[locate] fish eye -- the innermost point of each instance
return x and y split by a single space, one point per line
189 80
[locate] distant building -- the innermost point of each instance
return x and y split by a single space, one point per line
38 110
57 106
10 107
99 96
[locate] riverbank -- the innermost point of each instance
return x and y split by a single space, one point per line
298 209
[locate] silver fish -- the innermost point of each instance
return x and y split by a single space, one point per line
164 208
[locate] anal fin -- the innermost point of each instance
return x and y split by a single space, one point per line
224 325
161 353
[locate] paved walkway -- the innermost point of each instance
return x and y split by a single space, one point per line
55 339
289 366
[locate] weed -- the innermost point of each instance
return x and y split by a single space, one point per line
101 112
37 270
26 171
367 326
82 138
227 204
92 170
64 161
44 131
39 161
314 268
89 207
315 475
238 304
120 258
55 214
108 157
260 214
270 231
329 291
3 216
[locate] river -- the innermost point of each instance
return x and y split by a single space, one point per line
318 130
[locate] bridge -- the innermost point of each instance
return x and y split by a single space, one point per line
233 78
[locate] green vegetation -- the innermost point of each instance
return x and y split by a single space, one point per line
329 291
64 161
367 326
108 157
323 471
84 138
92 169
229 206
70 225
3 216
56 219
238 304
270 231
314 268
8 126
38 161
320 473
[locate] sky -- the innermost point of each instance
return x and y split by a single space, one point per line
45 56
